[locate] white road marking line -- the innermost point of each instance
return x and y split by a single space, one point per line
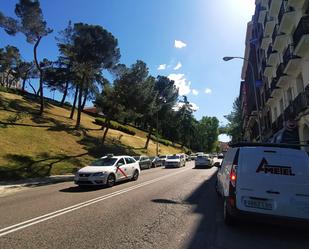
39 219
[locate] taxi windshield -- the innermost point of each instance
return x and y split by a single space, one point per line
107 161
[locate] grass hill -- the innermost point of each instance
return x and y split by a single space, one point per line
33 146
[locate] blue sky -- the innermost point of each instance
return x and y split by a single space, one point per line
206 30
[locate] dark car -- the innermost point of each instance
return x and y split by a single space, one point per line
144 162
156 162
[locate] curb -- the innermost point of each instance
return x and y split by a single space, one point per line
35 181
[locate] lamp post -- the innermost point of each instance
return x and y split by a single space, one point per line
228 58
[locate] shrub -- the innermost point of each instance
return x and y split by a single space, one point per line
162 141
116 126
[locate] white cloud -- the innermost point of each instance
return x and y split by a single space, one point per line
194 106
208 91
179 44
181 83
161 67
179 65
194 92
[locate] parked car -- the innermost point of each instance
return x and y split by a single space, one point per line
156 162
144 162
264 180
217 160
107 171
175 161
202 160
163 159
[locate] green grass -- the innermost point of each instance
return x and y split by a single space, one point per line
33 146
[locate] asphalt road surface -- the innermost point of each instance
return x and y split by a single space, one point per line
165 208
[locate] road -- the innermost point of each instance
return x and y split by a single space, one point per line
165 208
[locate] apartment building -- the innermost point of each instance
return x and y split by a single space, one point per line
277 46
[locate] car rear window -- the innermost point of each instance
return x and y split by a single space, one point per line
173 157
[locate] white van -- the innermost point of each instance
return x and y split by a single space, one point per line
175 161
264 179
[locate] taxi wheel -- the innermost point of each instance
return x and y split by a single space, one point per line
135 175
110 181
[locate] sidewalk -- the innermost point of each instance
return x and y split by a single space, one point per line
32 182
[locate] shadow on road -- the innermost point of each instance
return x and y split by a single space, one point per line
213 233
77 189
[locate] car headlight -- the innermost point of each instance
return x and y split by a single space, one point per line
98 174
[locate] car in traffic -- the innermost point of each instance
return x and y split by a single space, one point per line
202 160
264 180
163 159
175 161
217 160
156 162
107 171
143 161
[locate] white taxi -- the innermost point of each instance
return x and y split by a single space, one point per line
108 170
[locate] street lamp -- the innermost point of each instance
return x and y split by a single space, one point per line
228 58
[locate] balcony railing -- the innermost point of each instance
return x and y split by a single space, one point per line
289 55
302 29
269 51
275 33
273 84
299 104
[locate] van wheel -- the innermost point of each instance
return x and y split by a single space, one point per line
227 217
135 175
110 180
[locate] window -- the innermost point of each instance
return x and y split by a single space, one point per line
289 95
121 162
300 83
129 160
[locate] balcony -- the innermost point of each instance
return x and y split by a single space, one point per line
297 4
278 39
268 72
269 26
286 19
281 75
274 8
291 61
301 37
265 42
273 86
299 104
272 56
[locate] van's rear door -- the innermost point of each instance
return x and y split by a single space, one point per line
273 180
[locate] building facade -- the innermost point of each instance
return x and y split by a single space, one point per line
277 46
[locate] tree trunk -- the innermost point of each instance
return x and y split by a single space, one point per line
41 75
74 103
85 99
24 84
79 104
64 93
148 139
106 130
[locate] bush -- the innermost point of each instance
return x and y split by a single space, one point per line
161 141
10 90
114 125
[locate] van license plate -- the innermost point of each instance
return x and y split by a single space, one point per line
260 204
